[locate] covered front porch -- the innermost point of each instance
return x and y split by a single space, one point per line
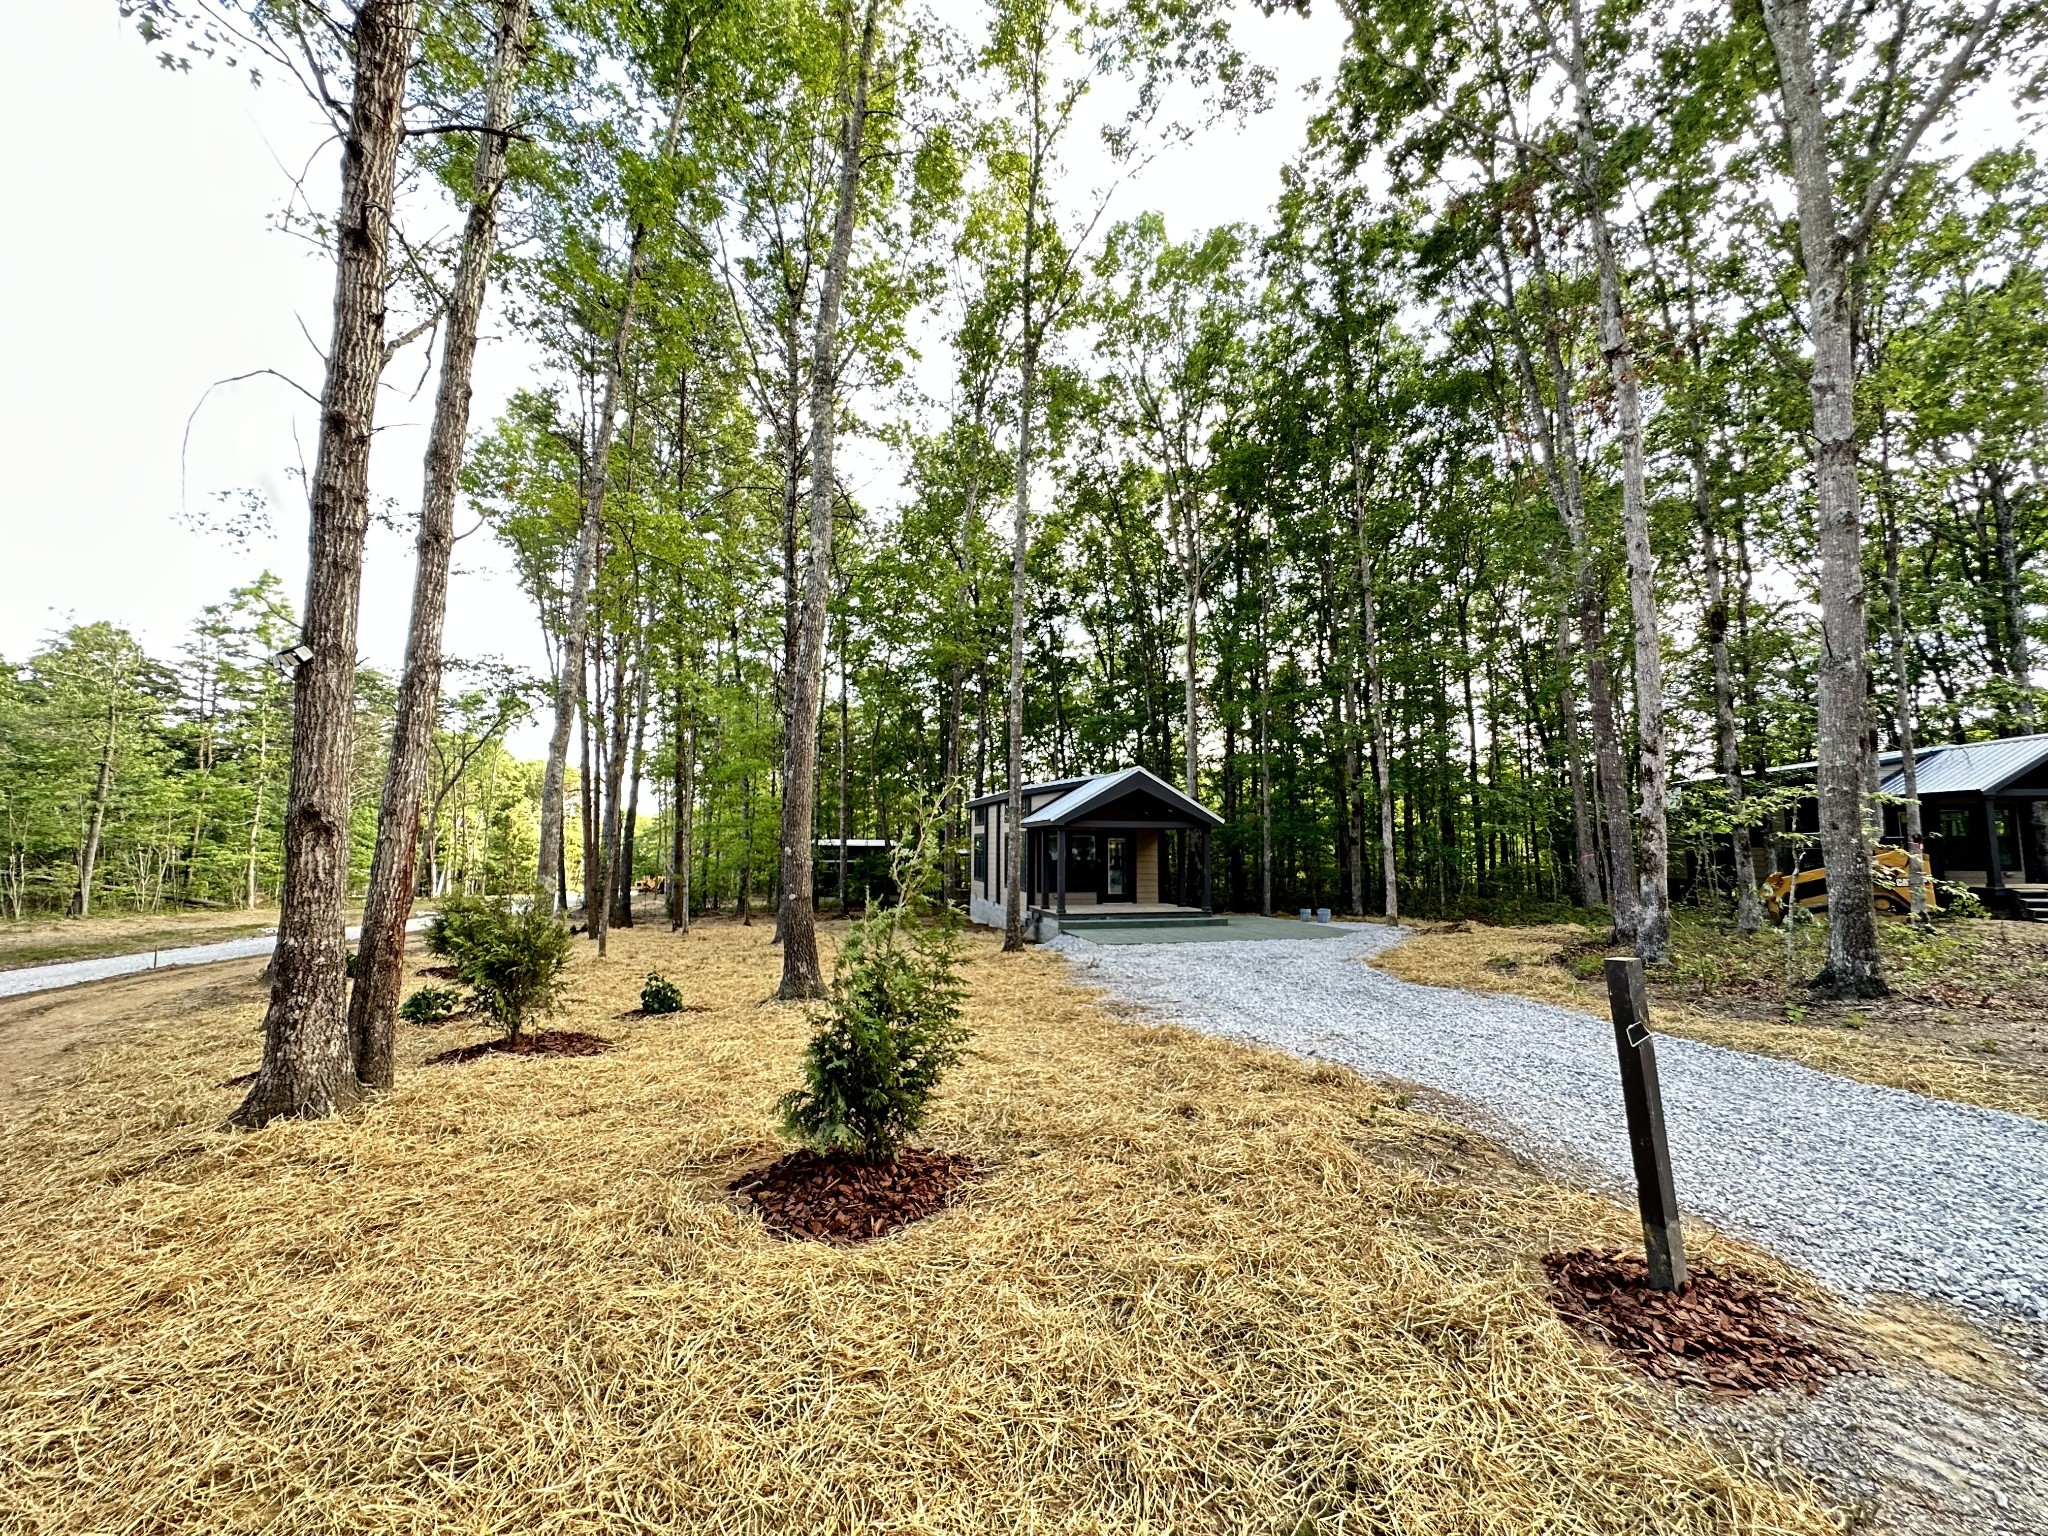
1125 846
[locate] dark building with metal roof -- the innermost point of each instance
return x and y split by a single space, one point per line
1123 843
1981 815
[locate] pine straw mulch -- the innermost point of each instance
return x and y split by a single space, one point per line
544 1042
1722 1331
1192 1287
835 1198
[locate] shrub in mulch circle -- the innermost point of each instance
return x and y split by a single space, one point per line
833 1197
546 1042
660 995
1721 1331
893 1029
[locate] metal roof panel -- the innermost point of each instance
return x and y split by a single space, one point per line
1972 768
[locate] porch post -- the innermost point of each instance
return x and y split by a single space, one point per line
1996 872
1063 872
1206 909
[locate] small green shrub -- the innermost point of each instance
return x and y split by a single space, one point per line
430 1005
511 957
448 928
660 995
893 1027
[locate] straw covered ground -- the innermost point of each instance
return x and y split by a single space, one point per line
1195 1287
1967 1021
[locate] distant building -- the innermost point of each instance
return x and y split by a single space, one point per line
1978 813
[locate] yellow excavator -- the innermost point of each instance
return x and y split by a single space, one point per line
1890 889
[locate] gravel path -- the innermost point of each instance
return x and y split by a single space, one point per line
1870 1188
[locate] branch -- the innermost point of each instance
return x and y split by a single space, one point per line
1937 103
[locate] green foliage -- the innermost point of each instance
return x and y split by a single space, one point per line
431 1005
660 995
893 1027
511 956
451 929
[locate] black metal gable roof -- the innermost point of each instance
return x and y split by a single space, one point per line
1107 787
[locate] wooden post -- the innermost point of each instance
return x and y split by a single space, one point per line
1656 1198
1994 876
1063 871
1207 910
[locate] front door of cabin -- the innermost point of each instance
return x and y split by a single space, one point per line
1119 869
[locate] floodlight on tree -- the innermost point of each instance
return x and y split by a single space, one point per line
289 661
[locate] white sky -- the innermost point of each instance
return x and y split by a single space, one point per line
144 264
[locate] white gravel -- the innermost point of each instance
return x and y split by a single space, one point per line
1869 1188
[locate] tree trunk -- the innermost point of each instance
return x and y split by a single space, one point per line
1902 695
604 888
308 1060
802 977
1853 968
1027 385
683 808
576 626
1556 442
624 883
380 953
1652 843
103 789
1748 915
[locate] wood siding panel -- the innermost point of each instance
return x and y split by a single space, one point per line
1148 869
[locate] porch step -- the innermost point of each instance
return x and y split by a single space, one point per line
2030 906
1191 919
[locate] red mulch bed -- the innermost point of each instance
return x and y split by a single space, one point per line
1721 1331
642 1013
836 1198
549 1042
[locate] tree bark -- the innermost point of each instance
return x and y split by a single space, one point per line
308 1068
1748 914
387 905
802 977
1853 968
1027 386
576 626
1902 699
103 789
1652 841
1556 442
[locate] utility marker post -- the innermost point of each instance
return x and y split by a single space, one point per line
1663 1243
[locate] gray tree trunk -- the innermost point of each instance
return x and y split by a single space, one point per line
1652 841
802 976
103 789
380 953
1027 389
1853 968
308 1068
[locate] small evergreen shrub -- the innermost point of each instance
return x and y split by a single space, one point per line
511 957
430 1005
660 995
458 914
893 1026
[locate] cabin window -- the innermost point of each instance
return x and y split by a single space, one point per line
1955 821
981 857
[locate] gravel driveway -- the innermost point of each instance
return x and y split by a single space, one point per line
1870 1188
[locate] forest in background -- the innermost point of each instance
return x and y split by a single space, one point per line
1619 401
134 783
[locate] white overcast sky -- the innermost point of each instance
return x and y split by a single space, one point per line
144 264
